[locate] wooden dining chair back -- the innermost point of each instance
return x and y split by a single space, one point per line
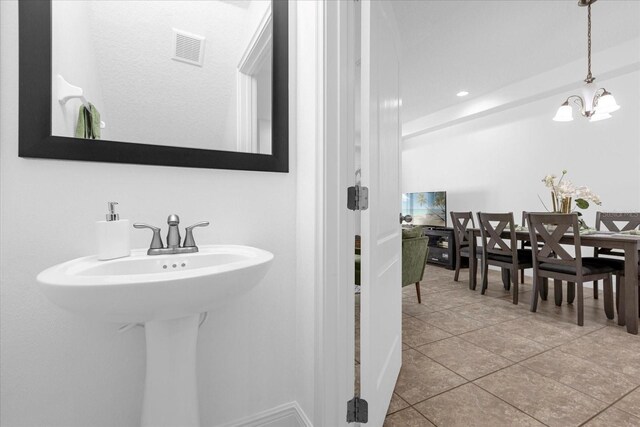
499 251
552 260
616 222
525 243
491 227
462 221
546 231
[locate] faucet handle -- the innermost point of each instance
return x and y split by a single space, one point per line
188 239
156 241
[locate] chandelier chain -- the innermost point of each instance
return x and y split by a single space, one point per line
589 78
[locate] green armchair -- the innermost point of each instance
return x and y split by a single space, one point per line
415 249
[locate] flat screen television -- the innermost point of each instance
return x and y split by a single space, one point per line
427 208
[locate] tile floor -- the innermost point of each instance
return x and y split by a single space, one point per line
473 360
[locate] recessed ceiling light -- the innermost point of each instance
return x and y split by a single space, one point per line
462 93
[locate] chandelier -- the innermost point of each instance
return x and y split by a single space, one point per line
595 103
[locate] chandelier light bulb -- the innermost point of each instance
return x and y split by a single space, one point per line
564 114
607 104
599 116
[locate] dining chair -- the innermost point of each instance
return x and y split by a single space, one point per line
500 252
525 244
616 222
461 222
552 261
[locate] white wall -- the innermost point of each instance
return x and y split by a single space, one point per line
495 161
58 369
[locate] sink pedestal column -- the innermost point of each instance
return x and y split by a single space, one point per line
171 389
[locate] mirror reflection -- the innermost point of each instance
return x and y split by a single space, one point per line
194 74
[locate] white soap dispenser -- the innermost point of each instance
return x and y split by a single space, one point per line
113 235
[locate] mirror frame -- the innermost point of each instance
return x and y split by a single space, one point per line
35 87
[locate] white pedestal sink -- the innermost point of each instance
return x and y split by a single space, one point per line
167 293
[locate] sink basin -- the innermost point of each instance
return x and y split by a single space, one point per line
140 288
167 293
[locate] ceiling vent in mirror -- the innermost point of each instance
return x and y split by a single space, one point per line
188 47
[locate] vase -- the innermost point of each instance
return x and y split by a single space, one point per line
560 204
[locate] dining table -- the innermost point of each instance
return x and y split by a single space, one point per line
628 243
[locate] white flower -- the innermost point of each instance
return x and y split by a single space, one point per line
549 181
566 189
586 194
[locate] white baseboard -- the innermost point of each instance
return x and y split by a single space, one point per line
285 415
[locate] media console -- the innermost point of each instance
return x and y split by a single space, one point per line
442 246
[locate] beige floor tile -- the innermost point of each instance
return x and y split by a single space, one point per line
411 297
464 358
541 330
504 302
454 323
568 313
543 398
421 378
412 322
428 333
618 336
487 313
614 417
469 405
397 404
580 374
428 287
504 343
611 348
446 300
407 418
571 326
631 403
415 309
496 290
524 297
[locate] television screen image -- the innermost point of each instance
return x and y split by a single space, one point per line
426 208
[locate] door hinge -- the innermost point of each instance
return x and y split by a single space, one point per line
358 198
357 410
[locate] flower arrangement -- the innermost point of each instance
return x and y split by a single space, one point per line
563 192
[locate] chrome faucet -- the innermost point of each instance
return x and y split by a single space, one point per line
173 237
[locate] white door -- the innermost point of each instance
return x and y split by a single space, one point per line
381 268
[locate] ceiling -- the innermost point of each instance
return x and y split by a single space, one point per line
481 46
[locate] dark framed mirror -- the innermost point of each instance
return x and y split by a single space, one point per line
51 103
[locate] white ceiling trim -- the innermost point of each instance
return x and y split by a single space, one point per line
613 62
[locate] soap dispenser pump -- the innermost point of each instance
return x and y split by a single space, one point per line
113 235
